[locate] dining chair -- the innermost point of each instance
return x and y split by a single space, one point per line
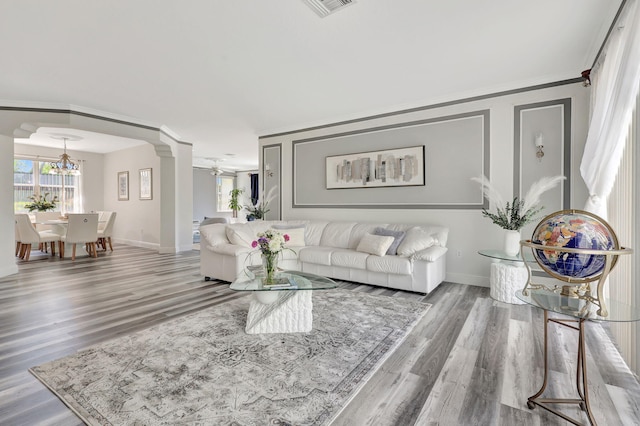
82 228
18 243
28 235
105 229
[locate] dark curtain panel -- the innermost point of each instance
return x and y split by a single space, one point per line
254 188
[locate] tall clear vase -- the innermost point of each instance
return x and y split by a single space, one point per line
270 266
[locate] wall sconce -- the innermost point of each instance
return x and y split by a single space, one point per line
539 141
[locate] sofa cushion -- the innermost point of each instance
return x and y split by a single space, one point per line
416 239
375 244
214 234
389 264
439 233
240 235
430 254
336 234
313 232
230 249
295 233
349 259
398 236
318 255
210 220
290 253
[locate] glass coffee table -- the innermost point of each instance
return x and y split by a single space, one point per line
281 309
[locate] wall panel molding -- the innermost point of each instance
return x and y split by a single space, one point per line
457 148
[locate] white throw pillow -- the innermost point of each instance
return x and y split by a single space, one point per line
415 240
296 236
214 234
239 236
375 244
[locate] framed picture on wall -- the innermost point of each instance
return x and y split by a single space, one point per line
123 186
146 184
392 167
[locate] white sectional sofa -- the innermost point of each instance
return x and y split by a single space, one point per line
341 250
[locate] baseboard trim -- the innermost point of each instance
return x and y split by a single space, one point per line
137 243
467 279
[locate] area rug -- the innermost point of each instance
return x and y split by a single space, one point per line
204 369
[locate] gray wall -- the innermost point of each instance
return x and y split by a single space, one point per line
456 149
204 195
469 230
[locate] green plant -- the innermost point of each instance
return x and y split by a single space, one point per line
234 203
260 209
520 211
512 216
40 203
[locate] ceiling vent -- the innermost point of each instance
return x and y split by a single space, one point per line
327 7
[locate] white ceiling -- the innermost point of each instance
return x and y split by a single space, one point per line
220 73
79 140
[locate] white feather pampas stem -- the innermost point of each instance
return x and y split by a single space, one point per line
490 191
532 197
271 194
515 214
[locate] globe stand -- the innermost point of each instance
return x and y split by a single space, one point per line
578 288
550 254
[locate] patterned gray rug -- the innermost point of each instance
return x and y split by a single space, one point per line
204 369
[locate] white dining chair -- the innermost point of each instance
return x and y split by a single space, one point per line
18 243
82 228
28 235
105 229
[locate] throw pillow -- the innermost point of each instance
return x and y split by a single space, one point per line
375 244
237 237
398 236
415 240
296 236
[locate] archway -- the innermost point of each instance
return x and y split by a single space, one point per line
174 169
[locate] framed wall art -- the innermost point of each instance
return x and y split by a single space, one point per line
123 186
392 167
146 184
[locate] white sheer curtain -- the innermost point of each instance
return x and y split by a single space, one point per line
615 86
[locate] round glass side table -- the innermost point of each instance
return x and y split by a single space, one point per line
580 312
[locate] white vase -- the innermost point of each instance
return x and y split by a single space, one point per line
511 242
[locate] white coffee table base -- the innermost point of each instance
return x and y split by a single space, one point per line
280 312
506 279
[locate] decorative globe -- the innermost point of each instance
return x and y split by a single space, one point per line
573 229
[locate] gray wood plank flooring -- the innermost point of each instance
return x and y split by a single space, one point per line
470 361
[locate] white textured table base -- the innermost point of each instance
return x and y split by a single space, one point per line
287 312
506 280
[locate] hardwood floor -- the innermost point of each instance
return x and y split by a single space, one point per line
471 360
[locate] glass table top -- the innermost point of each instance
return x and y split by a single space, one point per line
501 255
295 280
579 308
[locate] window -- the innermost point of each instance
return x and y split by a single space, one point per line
31 177
224 184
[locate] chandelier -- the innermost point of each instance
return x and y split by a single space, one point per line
64 165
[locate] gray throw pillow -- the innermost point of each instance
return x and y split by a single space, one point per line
398 236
